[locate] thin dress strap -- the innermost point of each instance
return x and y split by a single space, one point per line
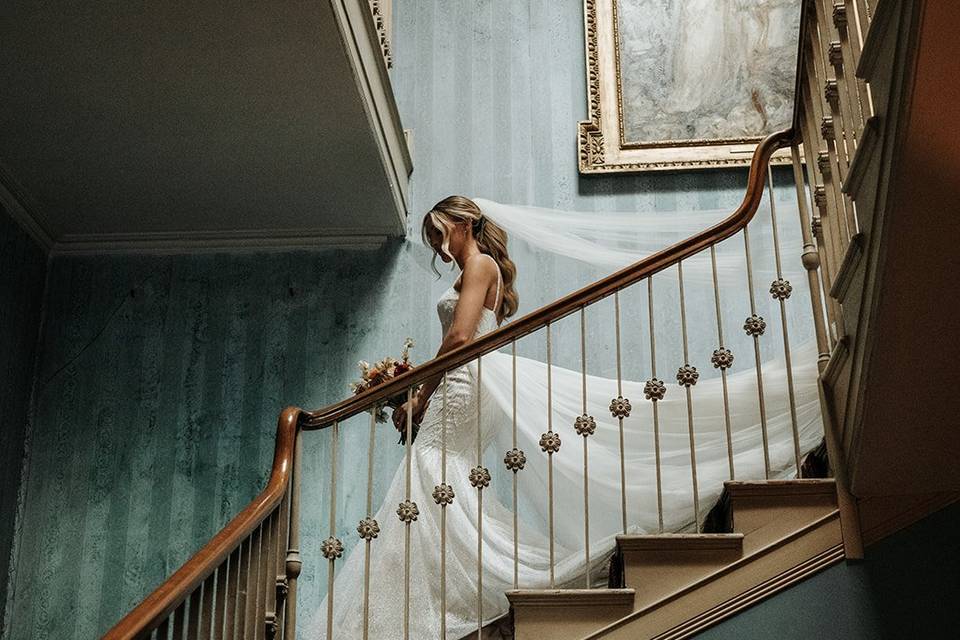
496 297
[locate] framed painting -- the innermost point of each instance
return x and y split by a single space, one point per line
685 84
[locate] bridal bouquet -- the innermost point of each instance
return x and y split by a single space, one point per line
383 371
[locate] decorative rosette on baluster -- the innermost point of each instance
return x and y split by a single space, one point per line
585 425
479 477
407 511
620 407
722 358
687 375
443 494
331 548
550 442
781 289
654 389
514 460
754 326
368 528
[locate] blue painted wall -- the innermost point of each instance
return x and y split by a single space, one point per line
906 587
159 386
22 274
160 377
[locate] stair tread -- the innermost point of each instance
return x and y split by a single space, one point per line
802 486
680 541
568 597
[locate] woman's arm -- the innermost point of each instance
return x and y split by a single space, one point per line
478 275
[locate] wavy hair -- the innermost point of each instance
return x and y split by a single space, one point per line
491 239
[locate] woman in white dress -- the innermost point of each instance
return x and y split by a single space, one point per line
476 304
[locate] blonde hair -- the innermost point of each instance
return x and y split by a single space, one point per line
491 239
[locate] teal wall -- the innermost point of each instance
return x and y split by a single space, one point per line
907 586
159 385
160 377
22 274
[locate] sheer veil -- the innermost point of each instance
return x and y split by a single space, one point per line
641 476
608 241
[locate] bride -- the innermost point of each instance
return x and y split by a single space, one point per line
477 303
467 416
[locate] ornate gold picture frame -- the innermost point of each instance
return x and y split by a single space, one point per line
633 87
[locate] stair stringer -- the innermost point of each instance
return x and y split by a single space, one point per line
741 584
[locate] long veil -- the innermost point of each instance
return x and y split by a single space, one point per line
642 478
608 241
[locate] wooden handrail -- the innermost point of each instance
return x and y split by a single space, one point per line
168 596
795 122
572 302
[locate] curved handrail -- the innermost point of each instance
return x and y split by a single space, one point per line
572 302
165 598
171 592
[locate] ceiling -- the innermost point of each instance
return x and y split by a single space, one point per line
144 124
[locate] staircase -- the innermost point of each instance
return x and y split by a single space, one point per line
773 534
763 535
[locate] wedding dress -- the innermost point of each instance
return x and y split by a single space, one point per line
457 399
452 419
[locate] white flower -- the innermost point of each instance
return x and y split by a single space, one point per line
407 345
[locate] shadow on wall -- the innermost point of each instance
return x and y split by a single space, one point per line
23 267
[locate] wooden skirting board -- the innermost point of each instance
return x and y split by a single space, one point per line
882 516
753 596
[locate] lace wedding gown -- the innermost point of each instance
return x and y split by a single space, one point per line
386 598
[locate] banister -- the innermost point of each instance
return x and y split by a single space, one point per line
564 306
795 123
165 598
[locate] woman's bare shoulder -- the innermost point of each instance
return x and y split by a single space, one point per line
482 265
480 269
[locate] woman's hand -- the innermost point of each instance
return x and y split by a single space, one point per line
416 406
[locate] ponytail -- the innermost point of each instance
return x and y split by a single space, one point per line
492 240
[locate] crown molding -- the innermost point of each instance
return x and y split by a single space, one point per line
17 202
168 242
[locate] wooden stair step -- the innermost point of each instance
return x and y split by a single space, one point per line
656 566
733 586
769 509
770 534
793 487
566 614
